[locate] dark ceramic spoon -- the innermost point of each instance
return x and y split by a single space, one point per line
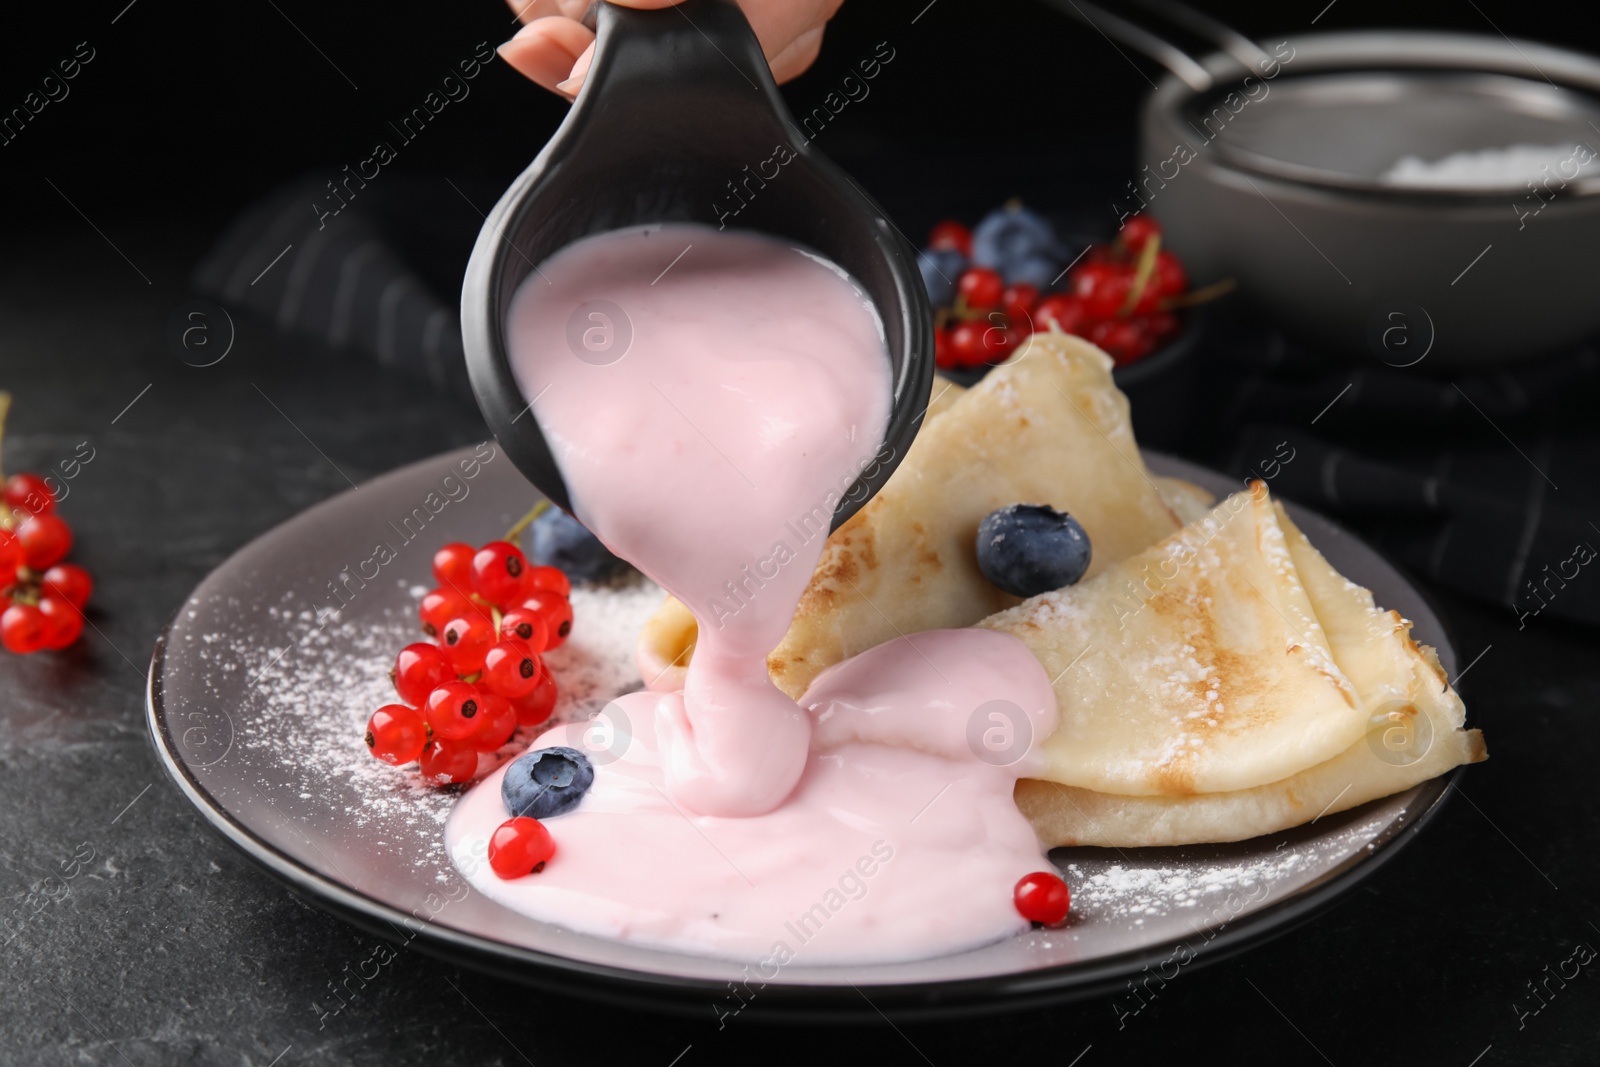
679 120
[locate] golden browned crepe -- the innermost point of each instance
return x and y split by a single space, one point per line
1195 666
1268 766
1046 427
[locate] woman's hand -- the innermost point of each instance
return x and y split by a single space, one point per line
554 49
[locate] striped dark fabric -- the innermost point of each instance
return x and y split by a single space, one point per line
1487 483
381 278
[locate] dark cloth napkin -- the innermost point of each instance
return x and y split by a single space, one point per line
380 279
1487 483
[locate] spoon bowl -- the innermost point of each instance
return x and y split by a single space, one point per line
679 120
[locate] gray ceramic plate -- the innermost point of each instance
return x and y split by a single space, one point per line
259 689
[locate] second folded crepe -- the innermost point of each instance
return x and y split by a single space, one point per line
1226 683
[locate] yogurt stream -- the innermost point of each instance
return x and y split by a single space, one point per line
709 397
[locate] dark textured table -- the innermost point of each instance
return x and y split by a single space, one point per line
136 935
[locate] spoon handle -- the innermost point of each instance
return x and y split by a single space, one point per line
703 46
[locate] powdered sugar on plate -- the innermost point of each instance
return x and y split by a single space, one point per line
314 689
310 695
1210 892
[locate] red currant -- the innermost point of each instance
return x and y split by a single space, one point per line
548 580
557 614
500 573
536 707
1170 278
981 288
1122 339
511 670
30 493
944 356
45 539
496 723
1161 326
22 628
62 622
441 605
966 344
10 557
452 710
1063 310
419 669
1167 280
465 639
1137 231
990 345
951 234
527 626
1042 897
68 581
1018 301
396 734
519 847
452 567
447 764
1103 288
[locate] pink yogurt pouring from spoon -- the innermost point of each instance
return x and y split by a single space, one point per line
709 397
752 390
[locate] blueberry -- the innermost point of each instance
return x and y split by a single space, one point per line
1028 549
556 539
546 782
940 268
1036 270
1012 235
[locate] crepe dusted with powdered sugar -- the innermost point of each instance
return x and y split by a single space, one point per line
1227 683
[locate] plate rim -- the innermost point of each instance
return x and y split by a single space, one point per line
786 1002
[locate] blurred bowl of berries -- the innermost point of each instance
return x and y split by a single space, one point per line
1012 275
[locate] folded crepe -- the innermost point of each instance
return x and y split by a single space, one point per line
1046 427
1228 683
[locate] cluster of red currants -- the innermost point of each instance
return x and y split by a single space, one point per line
483 675
42 597
1121 296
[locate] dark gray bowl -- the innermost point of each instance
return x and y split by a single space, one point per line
1283 193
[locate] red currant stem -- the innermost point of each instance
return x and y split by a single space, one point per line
523 523
1202 295
1141 277
495 616
472 679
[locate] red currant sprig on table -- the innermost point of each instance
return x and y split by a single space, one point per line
41 598
1122 295
492 617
